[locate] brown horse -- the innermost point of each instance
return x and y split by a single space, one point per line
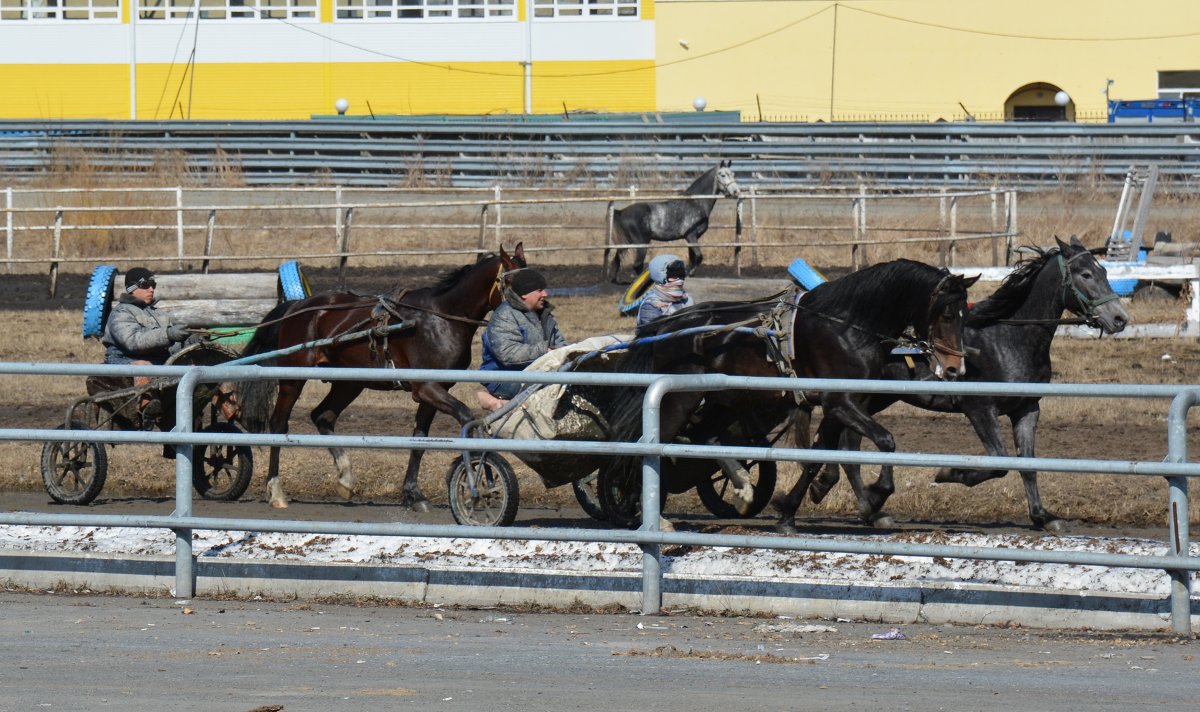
444 319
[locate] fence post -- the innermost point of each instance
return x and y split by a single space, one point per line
753 227
1010 224
208 239
499 215
1177 501
609 215
995 226
942 220
179 222
8 225
861 228
344 246
855 207
483 221
954 231
337 220
737 240
58 216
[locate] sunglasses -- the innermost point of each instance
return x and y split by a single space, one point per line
142 284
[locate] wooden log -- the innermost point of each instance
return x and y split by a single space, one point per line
246 285
203 313
706 289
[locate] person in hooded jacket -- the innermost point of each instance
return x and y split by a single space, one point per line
138 334
666 295
521 329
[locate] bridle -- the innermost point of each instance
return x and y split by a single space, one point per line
1089 306
934 349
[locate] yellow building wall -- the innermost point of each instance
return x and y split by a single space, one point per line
918 59
298 91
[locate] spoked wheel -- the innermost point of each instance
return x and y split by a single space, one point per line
588 495
222 472
620 487
719 495
73 471
488 495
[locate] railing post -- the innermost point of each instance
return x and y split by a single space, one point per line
344 246
753 227
1177 514
737 240
337 218
185 574
208 239
499 215
855 258
1010 224
861 227
483 223
651 496
943 218
954 231
179 223
609 216
8 226
995 225
57 248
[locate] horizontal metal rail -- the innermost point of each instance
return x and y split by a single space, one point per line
1177 563
489 152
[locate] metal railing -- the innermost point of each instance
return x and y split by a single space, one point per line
488 152
1176 469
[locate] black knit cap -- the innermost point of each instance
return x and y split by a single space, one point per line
135 275
526 281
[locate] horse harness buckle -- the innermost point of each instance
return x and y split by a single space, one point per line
382 314
777 335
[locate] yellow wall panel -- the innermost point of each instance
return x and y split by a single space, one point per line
64 91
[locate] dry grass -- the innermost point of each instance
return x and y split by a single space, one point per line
1133 429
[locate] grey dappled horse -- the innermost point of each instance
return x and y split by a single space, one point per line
683 219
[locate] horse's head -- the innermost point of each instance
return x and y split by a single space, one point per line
1086 291
508 263
943 326
726 182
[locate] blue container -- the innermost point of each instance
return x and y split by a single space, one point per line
805 275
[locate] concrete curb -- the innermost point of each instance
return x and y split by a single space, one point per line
804 598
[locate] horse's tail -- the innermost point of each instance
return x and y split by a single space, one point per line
624 411
257 397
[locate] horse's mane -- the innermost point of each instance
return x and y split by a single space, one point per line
868 297
1013 292
703 184
451 277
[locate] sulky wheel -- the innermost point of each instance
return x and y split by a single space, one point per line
620 488
488 495
588 495
717 491
73 471
222 472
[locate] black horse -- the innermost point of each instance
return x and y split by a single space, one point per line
841 329
640 223
1007 339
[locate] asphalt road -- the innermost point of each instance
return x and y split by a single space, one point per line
69 652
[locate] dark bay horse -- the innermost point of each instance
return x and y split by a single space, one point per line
1007 339
842 329
641 223
444 317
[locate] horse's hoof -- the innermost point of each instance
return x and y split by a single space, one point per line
665 526
1055 526
883 521
420 505
279 503
786 528
944 476
345 492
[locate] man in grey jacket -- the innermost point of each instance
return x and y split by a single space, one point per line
138 334
522 328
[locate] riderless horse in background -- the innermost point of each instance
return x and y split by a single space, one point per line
681 219
842 329
444 319
1007 339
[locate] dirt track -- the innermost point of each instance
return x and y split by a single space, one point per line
1100 429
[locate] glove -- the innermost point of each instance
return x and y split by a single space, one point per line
177 333
197 339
